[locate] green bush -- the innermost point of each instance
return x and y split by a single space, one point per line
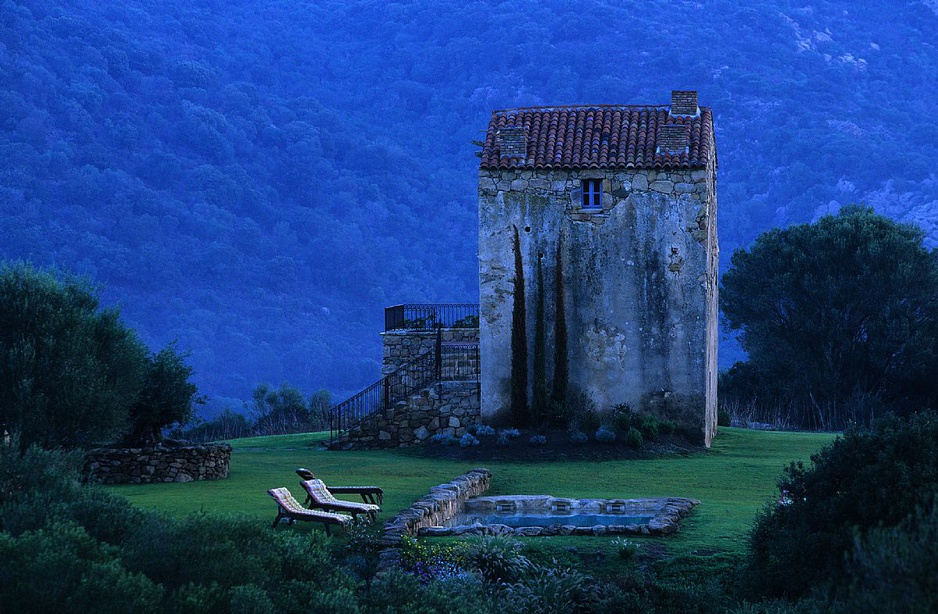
723 417
604 434
497 559
667 427
894 569
867 478
626 548
63 569
549 589
633 438
648 425
623 417
578 438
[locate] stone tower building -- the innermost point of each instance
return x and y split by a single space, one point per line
608 214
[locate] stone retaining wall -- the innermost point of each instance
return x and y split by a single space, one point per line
447 408
403 346
183 463
440 505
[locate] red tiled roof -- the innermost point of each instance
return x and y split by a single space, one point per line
600 136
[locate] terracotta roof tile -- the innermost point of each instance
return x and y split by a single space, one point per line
600 136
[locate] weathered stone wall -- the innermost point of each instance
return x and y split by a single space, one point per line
403 346
440 505
448 408
640 284
158 464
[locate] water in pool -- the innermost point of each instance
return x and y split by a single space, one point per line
524 519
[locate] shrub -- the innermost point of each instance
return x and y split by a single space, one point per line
633 438
538 440
467 441
864 479
484 430
578 438
511 433
723 417
498 559
604 434
667 427
648 425
432 560
622 416
626 548
894 568
502 440
550 589
442 439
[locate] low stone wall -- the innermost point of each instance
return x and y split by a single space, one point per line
440 505
183 463
447 408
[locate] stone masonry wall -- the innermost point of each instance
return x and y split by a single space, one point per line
403 346
640 282
158 464
443 502
448 408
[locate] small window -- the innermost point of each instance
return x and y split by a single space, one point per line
592 193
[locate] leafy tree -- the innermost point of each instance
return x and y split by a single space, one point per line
165 399
869 478
280 410
72 373
839 316
68 370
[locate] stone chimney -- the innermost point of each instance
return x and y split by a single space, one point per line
512 142
684 103
673 139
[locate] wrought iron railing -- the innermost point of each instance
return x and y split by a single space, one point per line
447 362
430 317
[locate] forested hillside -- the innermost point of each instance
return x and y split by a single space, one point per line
259 179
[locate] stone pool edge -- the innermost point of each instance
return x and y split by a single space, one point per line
665 522
439 505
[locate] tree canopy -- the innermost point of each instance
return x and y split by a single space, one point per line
72 373
839 318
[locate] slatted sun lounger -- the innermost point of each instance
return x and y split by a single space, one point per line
321 498
288 507
369 494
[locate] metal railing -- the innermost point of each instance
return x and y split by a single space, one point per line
431 316
450 362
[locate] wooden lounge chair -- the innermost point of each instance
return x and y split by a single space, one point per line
321 498
290 508
369 494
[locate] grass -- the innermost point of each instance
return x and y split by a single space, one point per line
733 481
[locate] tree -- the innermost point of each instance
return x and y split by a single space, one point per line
71 373
839 317
519 344
539 388
280 410
165 398
68 370
561 374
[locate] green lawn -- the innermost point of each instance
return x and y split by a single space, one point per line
733 480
